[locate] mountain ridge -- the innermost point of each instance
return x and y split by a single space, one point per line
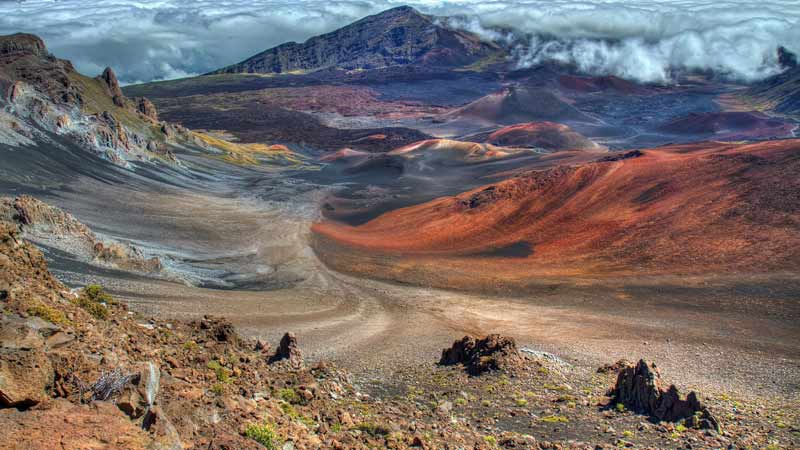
397 36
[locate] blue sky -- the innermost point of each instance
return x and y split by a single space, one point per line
637 39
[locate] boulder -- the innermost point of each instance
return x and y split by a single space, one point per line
64 425
163 432
26 373
288 351
640 388
494 352
218 329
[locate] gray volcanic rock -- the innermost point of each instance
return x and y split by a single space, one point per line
398 36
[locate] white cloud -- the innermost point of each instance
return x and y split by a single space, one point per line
639 39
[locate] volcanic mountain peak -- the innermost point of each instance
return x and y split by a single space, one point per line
397 36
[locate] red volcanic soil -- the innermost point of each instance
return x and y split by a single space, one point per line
600 84
730 125
345 153
547 135
708 208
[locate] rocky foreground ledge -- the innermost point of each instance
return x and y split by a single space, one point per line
80 370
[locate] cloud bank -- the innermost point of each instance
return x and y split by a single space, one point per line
645 40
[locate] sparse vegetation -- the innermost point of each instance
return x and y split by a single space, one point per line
264 434
290 411
289 395
95 300
554 419
48 313
223 373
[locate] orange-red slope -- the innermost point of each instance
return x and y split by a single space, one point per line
701 208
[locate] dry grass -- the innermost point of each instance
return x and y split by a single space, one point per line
253 153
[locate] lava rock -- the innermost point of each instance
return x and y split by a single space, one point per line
288 350
641 390
494 352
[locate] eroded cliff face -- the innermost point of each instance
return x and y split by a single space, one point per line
44 96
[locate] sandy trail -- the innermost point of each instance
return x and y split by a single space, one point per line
712 338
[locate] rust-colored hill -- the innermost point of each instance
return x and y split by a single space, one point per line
545 135
708 208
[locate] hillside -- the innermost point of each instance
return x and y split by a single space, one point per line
699 208
398 36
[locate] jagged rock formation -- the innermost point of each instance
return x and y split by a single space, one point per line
640 388
109 78
398 36
43 94
44 223
494 352
288 351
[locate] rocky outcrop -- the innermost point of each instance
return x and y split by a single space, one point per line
109 78
46 223
217 329
146 108
289 352
398 36
494 352
640 389
22 43
47 94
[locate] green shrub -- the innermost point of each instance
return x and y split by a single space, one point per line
620 407
264 434
96 293
292 413
222 373
48 313
555 419
94 299
217 388
490 441
289 396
